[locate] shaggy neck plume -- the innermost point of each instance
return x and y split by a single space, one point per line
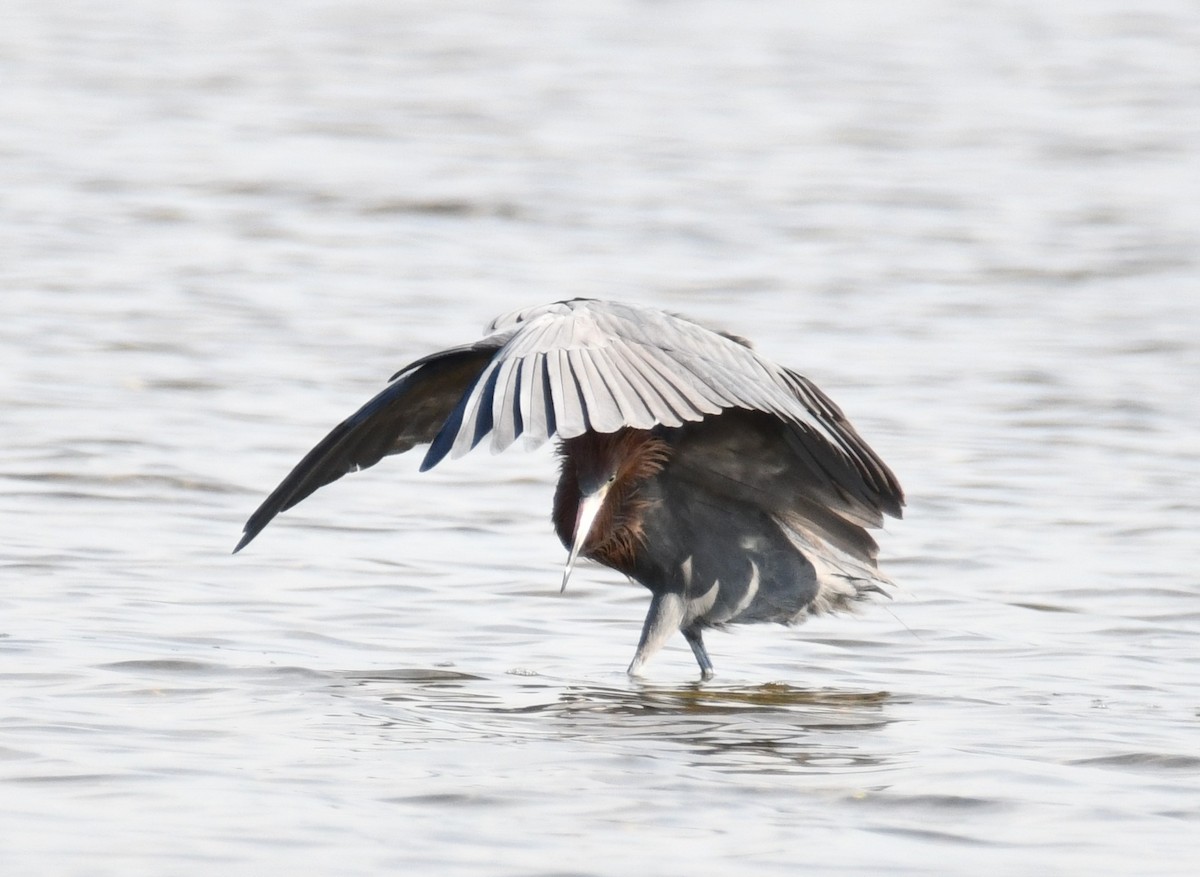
629 457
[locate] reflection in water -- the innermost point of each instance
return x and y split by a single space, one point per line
773 727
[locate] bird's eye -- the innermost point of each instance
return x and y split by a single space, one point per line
612 478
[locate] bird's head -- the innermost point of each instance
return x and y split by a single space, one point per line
597 508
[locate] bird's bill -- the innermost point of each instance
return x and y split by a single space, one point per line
585 518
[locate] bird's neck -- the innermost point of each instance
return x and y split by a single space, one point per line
632 457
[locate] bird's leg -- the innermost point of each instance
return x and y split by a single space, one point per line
695 638
666 612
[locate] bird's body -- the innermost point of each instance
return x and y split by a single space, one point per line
730 487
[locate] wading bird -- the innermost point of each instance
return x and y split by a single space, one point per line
730 487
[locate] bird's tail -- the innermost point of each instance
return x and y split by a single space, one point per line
844 577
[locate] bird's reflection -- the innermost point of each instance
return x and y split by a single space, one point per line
773 727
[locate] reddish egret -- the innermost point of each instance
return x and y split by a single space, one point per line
730 487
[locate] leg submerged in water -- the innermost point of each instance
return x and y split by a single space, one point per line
695 637
663 619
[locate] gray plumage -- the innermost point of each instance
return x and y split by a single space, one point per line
758 512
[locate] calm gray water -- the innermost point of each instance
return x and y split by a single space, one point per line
223 225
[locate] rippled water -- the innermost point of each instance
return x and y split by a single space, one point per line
224 225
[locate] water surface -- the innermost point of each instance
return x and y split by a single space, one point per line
225 225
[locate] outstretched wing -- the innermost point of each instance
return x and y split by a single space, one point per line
409 411
583 365
577 366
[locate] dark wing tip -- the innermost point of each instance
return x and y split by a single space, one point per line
407 412
861 470
247 536
283 497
